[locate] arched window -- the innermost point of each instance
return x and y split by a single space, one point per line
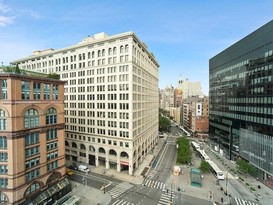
114 50
124 154
93 54
112 152
126 48
31 118
101 150
103 52
121 49
82 146
99 53
3 120
91 148
51 116
33 188
3 198
74 145
53 177
66 143
110 51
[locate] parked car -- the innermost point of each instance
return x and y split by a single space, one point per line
83 168
69 172
73 167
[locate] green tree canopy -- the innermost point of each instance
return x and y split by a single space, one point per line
184 151
243 166
53 76
204 166
164 124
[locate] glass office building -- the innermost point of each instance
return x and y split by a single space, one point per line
241 101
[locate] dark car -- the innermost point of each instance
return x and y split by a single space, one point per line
73 167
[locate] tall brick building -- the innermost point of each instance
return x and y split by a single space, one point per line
32 153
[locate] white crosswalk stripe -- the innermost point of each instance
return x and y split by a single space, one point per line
154 184
120 189
122 202
166 198
245 202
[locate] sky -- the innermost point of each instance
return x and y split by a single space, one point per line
183 35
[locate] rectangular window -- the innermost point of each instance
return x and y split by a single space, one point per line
55 92
32 151
51 134
3 169
32 138
51 166
36 91
3 142
3 157
25 87
3 183
32 174
46 91
3 89
32 163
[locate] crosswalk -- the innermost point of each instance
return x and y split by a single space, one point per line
120 189
245 202
154 184
166 198
123 202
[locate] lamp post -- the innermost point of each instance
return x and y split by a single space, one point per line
264 164
171 199
226 191
86 179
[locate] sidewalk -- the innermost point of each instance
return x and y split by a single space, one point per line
92 196
136 178
89 195
264 194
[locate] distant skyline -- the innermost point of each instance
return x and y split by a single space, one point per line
183 35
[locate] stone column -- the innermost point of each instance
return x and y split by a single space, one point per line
107 166
118 164
97 158
87 157
131 166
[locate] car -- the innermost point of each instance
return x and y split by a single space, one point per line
73 167
69 172
83 168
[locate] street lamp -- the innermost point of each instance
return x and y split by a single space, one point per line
226 191
171 199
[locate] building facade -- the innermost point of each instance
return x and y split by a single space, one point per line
167 98
111 98
32 152
189 88
196 115
241 100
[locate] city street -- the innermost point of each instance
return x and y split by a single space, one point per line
160 186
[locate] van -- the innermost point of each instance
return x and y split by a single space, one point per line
83 168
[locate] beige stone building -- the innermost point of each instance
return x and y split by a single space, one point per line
32 154
111 98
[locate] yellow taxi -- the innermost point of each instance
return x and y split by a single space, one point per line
69 172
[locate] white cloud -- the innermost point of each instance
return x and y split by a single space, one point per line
4 20
4 8
9 15
28 12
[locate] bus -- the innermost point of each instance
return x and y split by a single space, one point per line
216 171
204 156
195 146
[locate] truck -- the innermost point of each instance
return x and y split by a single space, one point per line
83 168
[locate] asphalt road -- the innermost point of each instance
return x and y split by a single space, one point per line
154 191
